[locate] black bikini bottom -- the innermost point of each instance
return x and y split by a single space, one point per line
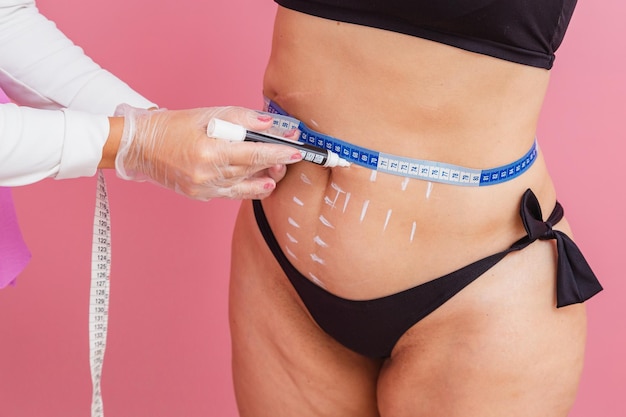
372 327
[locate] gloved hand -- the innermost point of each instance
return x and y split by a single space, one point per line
171 148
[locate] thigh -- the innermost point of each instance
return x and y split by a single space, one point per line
283 364
498 348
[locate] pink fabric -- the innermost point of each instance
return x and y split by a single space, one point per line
14 254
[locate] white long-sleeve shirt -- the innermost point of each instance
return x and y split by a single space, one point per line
57 124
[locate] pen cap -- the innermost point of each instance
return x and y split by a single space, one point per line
221 129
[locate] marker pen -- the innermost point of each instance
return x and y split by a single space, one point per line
222 129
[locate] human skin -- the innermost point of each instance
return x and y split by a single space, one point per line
500 346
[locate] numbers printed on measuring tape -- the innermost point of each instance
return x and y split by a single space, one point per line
402 166
99 292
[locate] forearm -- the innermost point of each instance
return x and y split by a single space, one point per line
109 151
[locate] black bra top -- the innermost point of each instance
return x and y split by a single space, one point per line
523 31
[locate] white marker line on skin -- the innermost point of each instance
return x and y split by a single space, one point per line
405 183
305 179
373 176
387 220
291 238
429 190
317 280
364 210
326 222
290 253
317 259
413 231
345 204
293 223
320 242
328 200
336 187
298 201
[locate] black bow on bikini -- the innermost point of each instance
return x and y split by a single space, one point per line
576 282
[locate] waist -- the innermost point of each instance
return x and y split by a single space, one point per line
348 226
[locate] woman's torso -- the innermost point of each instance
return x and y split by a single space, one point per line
363 235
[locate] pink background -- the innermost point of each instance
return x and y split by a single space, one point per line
168 350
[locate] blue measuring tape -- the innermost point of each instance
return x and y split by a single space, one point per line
399 165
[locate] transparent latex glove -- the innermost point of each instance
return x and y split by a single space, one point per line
171 148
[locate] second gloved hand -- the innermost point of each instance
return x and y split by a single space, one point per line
171 148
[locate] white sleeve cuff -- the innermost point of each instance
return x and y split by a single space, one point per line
37 144
85 136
